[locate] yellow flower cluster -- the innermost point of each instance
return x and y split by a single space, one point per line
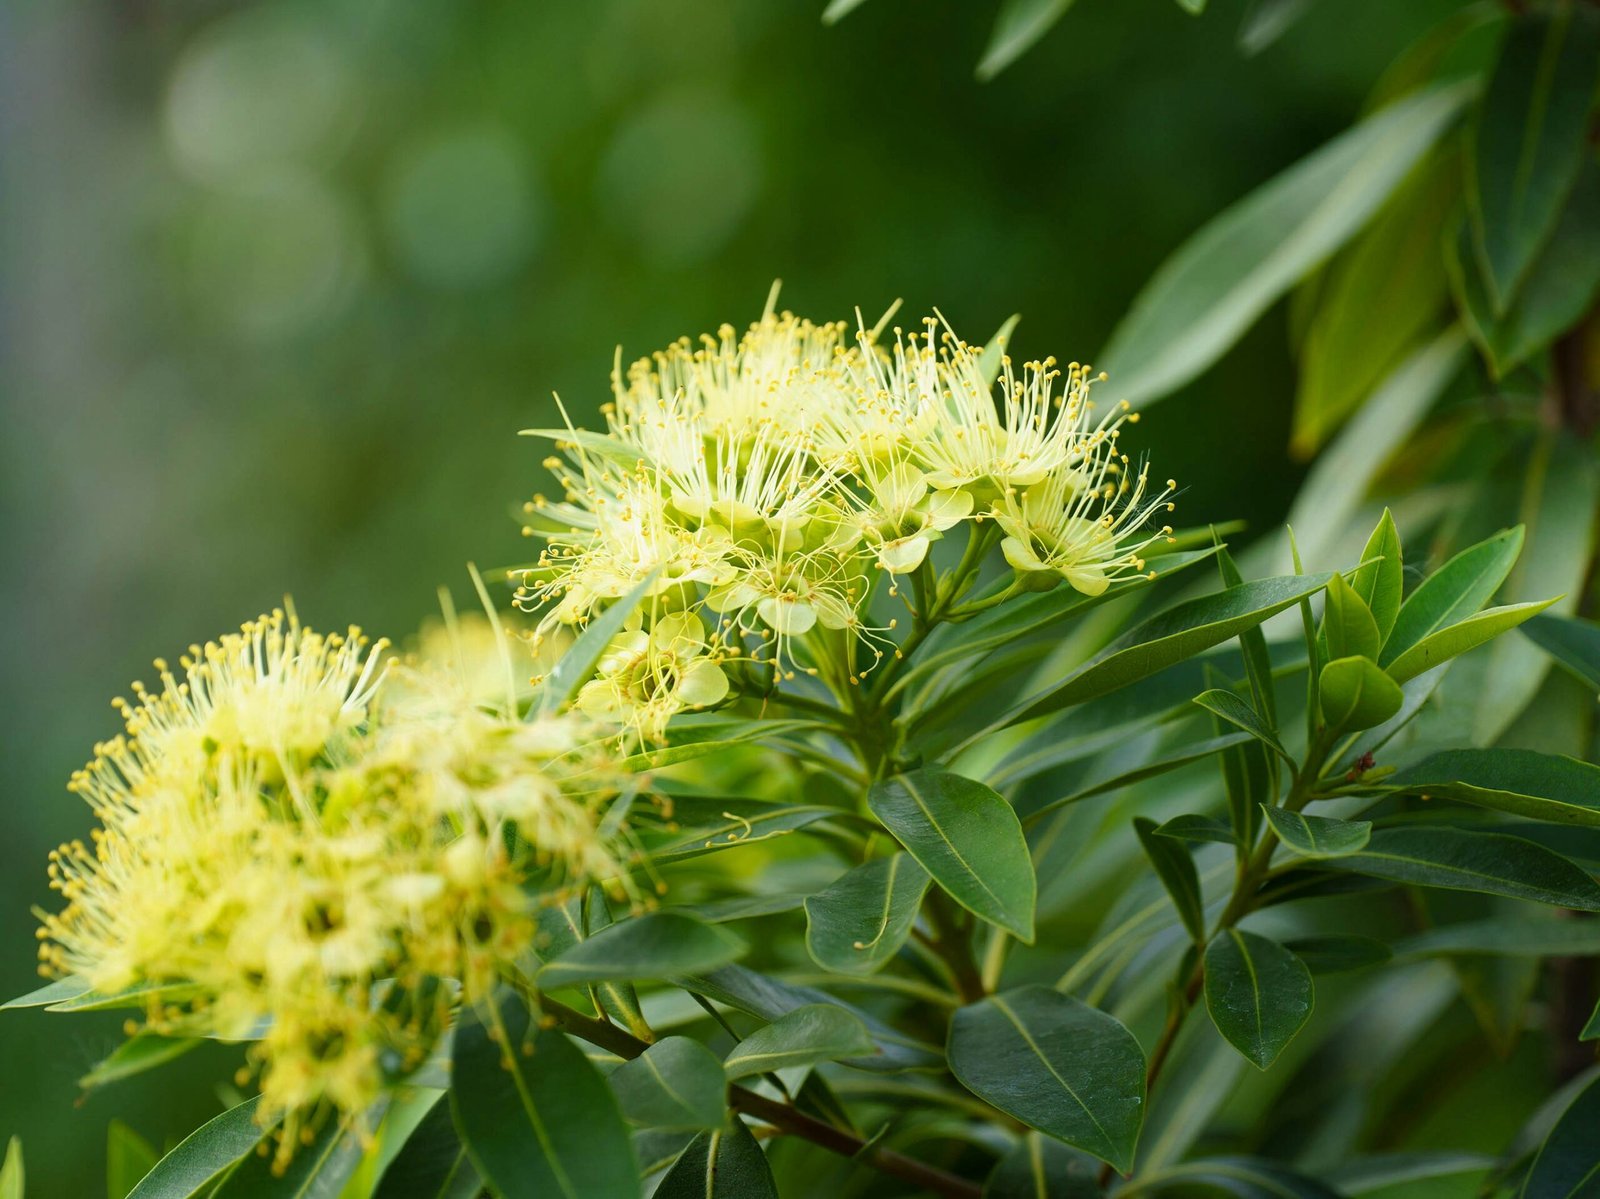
306 841
760 481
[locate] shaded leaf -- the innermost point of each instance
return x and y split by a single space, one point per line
1268 20
1575 644
319 1169
1318 836
1040 1168
1185 755
676 1083
129 1158
652 945
1191 827
432 1164
1258 993
861 919
818 1032
724 1164
1240 1178
578 663
1568 1165
702 825
204 1156
1470 860
1229 707
1507 936
1549 787
1177 872
1335 953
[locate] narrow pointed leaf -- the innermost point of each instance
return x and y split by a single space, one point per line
654 945
1575 644
1457 639
538 1121
1470 860
676 1083
1017 26
968 838
1185 755
52 993
1252 647
1177 872
1453 592
1318 836
1237 712
129 1158
1348 624
136 1055
1057 1065
204 1156
578 663
1041 1168
1191 827
1337 953
725 1164
1507 936
1380 579
1568 1165
1549 787
703 825
12 1175
1258 993
432 1164
318 1170
861 919
819 1032
1239 1178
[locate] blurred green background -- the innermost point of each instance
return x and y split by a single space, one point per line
280 282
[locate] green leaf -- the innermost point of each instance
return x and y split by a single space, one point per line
1229 707
432 1164
1353 694
1040 1168
1591 1030
818 1032
725 1164
968 838
538 1120
1379 581
1455 640
1213 289
52 993
1238 1177
838 10
1017 26
1184 755
319 1169
1318 836
1258 993
12 1176
1559 288
1266 21
1529 139
578 663
1177 872
1575 644
1382 295
1507 936
861 919
129 1158
1169 637
1453 592
676 1083
1568 1165
618 1000
1191 827
1470 860
1057 1065
136 1055
701 740
1549 787
1348 624
1336 953
1252 647
653 945
202 1158
138 996
1380 1173
702 825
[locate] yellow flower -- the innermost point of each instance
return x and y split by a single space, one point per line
643 679
905 517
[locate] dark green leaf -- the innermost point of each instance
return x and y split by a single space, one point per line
618 1000
744 907
1318 836
1240 1178
1530 139
1213 289
1057 1065
129 1158
319 1169
1176 869
1169 637
1508 936
1457 639
1575 644
725 1164
1017 26
204 1156
819 1032
968 838
1541 786
1568 1165
1185 755
1258 993
1252 648
864 916
1353 694
1040 1168
676 1083
1237 712
1453 592
1380 579
705 825
1336 953
1591 1030
1190 827
1469 860
1376 1175
136 1055
654 945
537 1119
432 1164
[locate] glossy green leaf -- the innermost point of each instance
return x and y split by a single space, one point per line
676 1083
1318 836
1169 637
1354 694
202 1158
1056 1064
1379 581
653 945
1348 624
538 1120
861 919
432 1164
724 1164
1017 26
968 838
1454 640
136 1055
1213 289
1041 1168
1469 860
1549 787
129 1157
1454 592
578 663
1575 644
13 1177
1568 1165
818 1032
1175 867
1258 993
319 1169
1529 139
1337 953
1229 707
702 825
58 991
1506 936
